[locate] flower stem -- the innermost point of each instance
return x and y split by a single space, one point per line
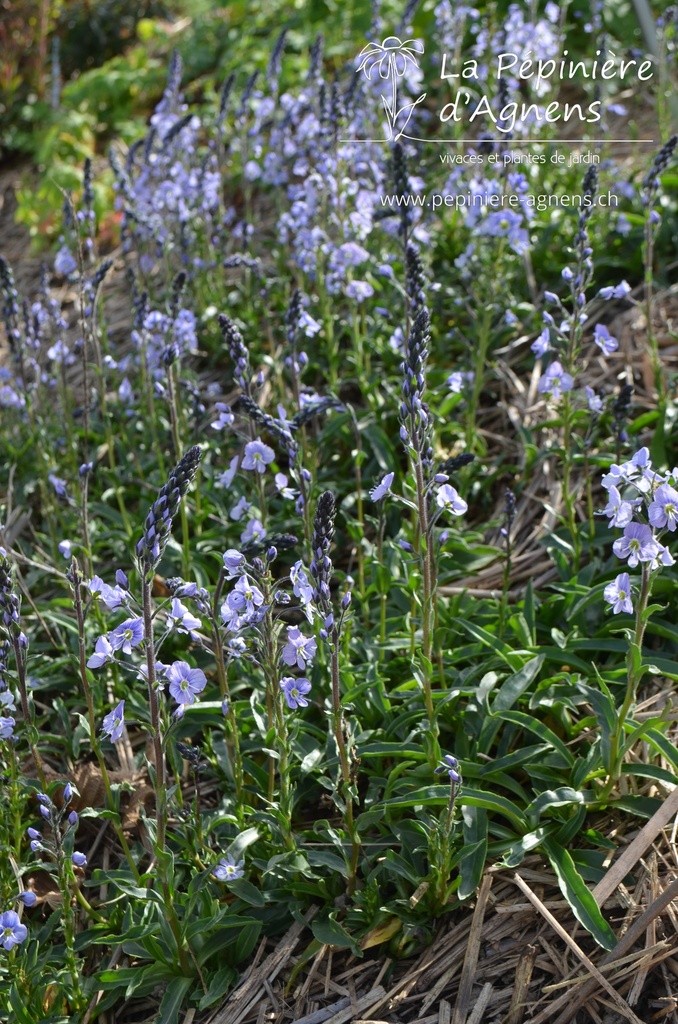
635 670
346 784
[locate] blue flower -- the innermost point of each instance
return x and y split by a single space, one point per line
299 650
64 263
112 597
637 544
595 401
233 562
555 381
450 765
228 869
257 456
457 380
58 484
359 290
281 486
448 498
294 690
12 931
180 618
226 478
618 594
65 548
114 722
127 635
79 859
307 324
103 652
604 340
618 292
382 489
663 511
7 724
225 417
619 512
185 682
542 344
254 531
239 509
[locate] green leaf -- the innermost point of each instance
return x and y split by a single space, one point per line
247 892
398 865
664 746
474 825
141 980
242 841
492 802
530 841
328 931
545 734
218 986
606 716
18 1004
512 658
578 895
514 687
650 771
173 1000
561 797
224 936
528 611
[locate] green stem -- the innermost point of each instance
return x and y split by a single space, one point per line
346 785
82 664
233 739
31 729
160 775
635 670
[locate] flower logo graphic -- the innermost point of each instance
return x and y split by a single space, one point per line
391 60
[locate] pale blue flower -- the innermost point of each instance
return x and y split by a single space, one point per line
604 340
299 650
254 531
294 691
228 869
103 652
180 618
618 594
127 635
225 417
448 499
239 509
619 512
555 381
12 931
382 489
257 456
185 682
663 511
226 478
637 544
114 722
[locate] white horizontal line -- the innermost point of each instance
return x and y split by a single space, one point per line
518 142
